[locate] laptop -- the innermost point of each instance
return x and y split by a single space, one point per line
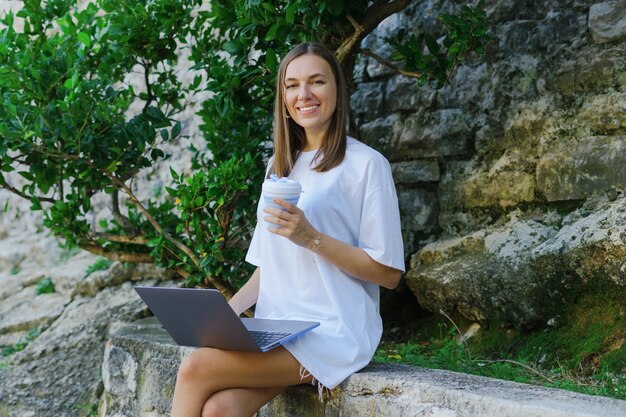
203 318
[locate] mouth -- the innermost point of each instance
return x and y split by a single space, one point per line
308 109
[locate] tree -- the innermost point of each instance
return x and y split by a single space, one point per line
66 127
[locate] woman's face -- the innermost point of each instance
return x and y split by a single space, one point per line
310 93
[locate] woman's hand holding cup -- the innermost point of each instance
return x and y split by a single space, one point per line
291 223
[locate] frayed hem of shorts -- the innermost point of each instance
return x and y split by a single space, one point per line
321 389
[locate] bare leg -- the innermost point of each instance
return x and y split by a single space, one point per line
207 371
239 402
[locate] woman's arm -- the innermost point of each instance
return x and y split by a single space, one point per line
247 296
352 260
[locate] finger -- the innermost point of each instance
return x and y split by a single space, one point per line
275 230
290 207
274 219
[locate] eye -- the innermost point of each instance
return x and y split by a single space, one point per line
318 82
290 86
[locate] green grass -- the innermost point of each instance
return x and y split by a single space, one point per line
21 343
101 264
585 351
87 410
45 286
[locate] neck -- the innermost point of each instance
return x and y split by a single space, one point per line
314 140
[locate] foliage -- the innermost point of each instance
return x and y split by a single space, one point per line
101 264
45 286
585 352
74 126
467 32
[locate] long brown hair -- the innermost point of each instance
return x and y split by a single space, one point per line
289 137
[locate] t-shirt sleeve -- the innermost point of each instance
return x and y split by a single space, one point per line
253 255
380 234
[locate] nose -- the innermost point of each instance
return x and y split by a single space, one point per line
304 92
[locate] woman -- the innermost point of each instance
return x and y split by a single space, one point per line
323 261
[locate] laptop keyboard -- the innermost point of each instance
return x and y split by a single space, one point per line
266 338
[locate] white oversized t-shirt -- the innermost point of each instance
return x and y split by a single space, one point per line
355 203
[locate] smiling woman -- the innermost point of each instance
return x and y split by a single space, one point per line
322 260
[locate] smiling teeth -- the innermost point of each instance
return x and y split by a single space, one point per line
308 108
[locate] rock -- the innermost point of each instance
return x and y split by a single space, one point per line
368 99
26 310
141 362
415 172
418 209
571 171
18 248
444 250
505 188
612 118
404 93
532 36
507 183
134 384
607 21
590 71
526 271
471 87
439 133
383 134
72 349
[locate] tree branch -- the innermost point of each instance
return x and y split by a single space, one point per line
117 256
5 185
181 246
117 215
389 64
133 240
146 66
376 13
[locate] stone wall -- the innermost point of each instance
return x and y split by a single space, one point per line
530 136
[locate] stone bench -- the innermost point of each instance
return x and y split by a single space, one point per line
141 362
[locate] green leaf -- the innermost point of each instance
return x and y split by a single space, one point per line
269 7
271 62
176 130
233 47
290 15
84 39
272 32
153 243
432 44
173 173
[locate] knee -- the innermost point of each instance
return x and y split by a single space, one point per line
192 367
219 406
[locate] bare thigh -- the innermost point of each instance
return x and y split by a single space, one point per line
244 402
222 369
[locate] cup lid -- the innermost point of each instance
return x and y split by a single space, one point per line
291 187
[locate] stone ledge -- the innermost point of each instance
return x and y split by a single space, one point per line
141 360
